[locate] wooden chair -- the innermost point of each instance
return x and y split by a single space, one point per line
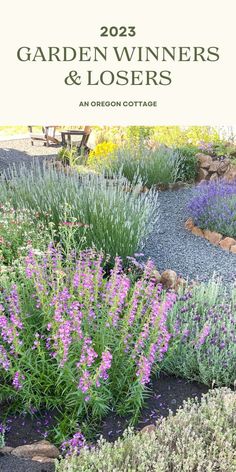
82 147
48 135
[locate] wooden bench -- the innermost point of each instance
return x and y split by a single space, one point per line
48 135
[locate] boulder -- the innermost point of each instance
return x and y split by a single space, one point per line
233 249
223 167
202 174
180 283
156 276
150 428
168 278
227 243
43 459
212 236
204 160
231 173
197 231
214 176
189 224
214 166
41 448
5 450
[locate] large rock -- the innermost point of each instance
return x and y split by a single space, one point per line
168 278
197 231
202 174
214 176
43 459
41 448
204 160
189 224
214 166
227 243
5 450
150 428
233 249
212 236
231 173
223 167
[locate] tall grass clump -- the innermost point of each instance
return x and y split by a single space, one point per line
202 325
200 437
77 341
159 166
108 213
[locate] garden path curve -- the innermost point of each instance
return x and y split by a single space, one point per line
173 247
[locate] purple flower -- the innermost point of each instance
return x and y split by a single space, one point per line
17 380
73 445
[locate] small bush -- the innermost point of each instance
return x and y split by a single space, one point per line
213 207
74 340
136 163
108 214
200 437
188 165
202 324
101 153
18 232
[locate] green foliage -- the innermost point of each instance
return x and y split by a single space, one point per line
177 136
202 324
79 342
110 215
19 231
200 437
138 163
188 165
101 153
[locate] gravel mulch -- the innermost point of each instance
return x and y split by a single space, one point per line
22 152
171 246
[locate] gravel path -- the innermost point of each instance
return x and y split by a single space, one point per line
22 152
173 247
14 464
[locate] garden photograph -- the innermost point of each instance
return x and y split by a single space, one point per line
117 299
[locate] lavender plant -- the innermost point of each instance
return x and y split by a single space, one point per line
117 217
213 207
160 166
79 342
202 324
199 437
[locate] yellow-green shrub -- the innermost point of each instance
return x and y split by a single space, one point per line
100 153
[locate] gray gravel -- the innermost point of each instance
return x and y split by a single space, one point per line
22 152
14 464
173 247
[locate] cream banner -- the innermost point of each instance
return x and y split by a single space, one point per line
118 63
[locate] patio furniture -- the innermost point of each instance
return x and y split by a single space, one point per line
82 147
48 135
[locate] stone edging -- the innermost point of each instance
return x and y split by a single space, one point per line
40 451
225 242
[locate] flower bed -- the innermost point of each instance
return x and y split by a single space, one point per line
213 213
198 437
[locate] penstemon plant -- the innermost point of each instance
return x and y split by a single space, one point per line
73 339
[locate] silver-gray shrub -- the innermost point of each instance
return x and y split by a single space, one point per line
118 215
199 438
159 166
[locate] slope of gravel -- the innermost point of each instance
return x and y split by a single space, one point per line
173 247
